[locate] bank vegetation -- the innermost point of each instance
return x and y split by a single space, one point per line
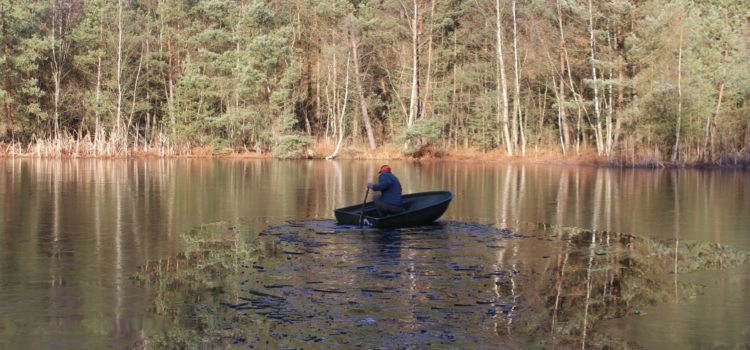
616 81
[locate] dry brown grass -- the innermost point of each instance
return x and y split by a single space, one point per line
68 146
161 147
249 155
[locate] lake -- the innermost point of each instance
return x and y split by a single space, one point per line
527 256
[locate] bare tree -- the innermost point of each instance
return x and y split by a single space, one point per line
518 134
676 149
342 112
502 100
414 100
428 73
562 118
710 132
595 83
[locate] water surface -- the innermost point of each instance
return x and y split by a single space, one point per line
583 243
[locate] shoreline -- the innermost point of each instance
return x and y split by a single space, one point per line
385 153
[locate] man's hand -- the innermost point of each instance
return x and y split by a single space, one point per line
369 185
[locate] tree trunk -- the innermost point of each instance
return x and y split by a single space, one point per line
361 94
560 112
8 105
518 134
708 152
237 66
318 116
597 111
454 109
55 63
428 73
414 100
676 149
98 92
118 127
633 68
332 105
564 126
135 93
502 100
620 93
170 78
341 113
308 84
608 127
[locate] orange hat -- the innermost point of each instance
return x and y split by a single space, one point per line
385 168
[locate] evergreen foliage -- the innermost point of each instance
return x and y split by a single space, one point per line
629 76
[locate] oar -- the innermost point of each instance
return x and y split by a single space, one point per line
362 212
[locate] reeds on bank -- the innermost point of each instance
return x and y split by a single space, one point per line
118 145
113 145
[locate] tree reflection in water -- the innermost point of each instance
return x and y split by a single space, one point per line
451 285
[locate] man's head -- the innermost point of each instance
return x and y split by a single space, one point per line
384 169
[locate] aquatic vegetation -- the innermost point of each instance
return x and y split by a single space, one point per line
451 285
183 284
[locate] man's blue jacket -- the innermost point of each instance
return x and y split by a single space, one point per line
390 188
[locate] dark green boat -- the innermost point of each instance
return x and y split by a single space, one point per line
421 209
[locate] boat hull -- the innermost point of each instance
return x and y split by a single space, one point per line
422 208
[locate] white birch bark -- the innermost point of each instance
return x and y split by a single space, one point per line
518 134
708 153
342 113
428 73
562 118
595 80
502 100
676 149
414 99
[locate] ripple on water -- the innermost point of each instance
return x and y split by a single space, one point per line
448 285
346 285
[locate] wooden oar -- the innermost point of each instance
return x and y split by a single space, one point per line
362 212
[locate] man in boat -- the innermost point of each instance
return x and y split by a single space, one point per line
389 201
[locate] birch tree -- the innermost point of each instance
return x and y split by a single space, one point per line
414 97
428 72
563 125
340 116
678 127
502 98
595 84
518 132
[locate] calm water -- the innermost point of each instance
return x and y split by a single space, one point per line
593 256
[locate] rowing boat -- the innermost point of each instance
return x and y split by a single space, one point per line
420 209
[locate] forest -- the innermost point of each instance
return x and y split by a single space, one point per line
626 81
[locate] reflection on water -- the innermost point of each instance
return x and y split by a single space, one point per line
72 232
724 298
450 285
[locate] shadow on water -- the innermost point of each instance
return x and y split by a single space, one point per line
312 284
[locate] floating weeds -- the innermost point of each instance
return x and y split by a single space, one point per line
450 285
